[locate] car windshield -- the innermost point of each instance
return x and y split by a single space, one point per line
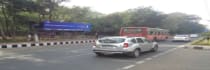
112 40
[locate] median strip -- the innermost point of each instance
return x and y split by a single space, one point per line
199 44
30 44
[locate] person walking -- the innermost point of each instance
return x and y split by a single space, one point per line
96 35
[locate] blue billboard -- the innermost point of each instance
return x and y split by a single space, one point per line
66 26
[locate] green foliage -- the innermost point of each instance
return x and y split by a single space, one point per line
202 42
147 17
206 34
182 23
15 16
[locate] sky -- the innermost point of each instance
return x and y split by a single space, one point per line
193 7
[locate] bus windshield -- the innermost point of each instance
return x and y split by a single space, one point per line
131 30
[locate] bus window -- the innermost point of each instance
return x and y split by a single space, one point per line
131 30
151 33
156 33
144 32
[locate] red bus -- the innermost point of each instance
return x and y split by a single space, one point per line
148 33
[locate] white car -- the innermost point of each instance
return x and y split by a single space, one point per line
193 35
185 38
131 46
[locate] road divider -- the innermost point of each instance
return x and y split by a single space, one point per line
199 47
193 45
40 44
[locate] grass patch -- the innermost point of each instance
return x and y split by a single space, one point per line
201 42
19 39
13 41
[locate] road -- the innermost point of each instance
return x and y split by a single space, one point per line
81 57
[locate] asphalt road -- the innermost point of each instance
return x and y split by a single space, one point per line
179 59
81 57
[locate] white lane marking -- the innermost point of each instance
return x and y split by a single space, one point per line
140 62
155 56
75 51
29 58
1 53
11 55
128 67
77 55
23 57
167 45
181 46
160 54
168 51
82 54
122 60
148 59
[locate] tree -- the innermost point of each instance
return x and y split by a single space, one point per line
109 24
16 14
9 8
146 16
46 7
182 23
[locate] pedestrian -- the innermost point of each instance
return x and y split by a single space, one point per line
29 37
96 35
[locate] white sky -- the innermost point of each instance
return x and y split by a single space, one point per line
196 7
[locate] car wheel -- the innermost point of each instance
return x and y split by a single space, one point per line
135 53
155 48
99 54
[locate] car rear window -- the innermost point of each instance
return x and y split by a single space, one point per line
112 40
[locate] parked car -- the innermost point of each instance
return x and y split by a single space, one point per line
194 35
185 38
132 46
